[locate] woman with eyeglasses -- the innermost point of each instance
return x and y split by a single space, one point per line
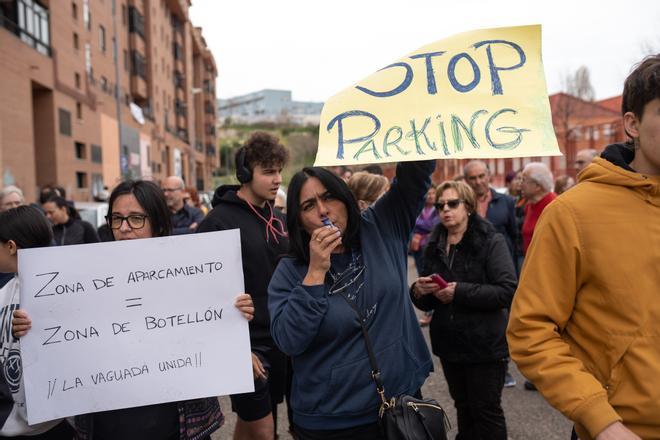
471 312
137 209
340 258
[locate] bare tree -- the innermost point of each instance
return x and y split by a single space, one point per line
579 84
568 106
651 47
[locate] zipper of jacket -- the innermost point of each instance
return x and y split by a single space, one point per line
452 254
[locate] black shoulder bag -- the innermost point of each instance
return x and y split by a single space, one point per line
403 417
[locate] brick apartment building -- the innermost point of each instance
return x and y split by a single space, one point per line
578 125
74 115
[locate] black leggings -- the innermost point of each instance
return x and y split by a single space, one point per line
477 393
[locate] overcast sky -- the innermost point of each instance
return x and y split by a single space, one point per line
318 48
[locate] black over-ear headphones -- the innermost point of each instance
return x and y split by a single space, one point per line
243 173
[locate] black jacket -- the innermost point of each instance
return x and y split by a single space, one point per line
501 214
184 217
260 256
75 231
472 327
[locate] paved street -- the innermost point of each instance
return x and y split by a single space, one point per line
528 415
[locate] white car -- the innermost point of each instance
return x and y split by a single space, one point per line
92 212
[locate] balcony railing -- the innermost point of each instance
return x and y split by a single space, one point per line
29 21
135 21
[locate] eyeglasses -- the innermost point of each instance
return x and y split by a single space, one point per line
169 190
135 221
453 204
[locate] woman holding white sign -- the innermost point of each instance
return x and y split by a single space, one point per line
340 259
137 209
23 227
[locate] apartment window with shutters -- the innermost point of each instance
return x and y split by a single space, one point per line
79 114
76 77
76 43
74 10
97 154
65 122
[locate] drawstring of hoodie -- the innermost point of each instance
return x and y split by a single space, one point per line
270 227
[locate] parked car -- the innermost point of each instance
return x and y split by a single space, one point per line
92 212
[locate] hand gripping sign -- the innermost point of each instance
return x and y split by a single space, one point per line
132 323
478 94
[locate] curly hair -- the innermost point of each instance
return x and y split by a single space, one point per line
264 149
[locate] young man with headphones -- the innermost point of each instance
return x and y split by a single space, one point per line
249 207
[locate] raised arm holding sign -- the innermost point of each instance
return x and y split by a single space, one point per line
478 94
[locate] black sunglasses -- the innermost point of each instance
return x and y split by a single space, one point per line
453 204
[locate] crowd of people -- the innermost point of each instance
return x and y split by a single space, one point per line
561 277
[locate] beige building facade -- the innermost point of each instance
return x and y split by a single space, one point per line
76 114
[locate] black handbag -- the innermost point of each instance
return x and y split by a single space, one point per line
403 417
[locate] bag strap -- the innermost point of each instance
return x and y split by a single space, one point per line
375 372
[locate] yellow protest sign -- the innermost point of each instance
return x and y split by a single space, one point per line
478 94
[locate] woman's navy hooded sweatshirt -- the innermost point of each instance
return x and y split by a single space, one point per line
332 385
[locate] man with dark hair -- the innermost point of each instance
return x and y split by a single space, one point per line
585 320
249 207
185 218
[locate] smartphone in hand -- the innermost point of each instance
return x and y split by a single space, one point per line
437 279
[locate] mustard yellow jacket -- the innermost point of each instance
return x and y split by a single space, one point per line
585 320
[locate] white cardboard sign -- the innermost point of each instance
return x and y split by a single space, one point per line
133 323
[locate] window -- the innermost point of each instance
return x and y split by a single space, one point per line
126 60
87 18
208 86
74 10
88 58
177 51
180 108
97 154
135 21
76 77
79 110
81 180
138 64
65 122
179 80
80 150
97 183
76 44
104 84
29 21
102 38
124 15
